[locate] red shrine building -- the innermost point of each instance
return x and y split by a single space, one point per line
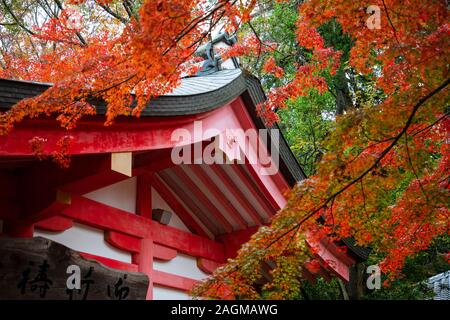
148 194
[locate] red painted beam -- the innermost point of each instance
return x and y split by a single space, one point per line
85 174
337 252
188 243
190 203
56 223
144 260
163 253
159 277
16 229
127 134
234 190
261 185
207 266
173 281
42 205
144 195
152 161
197 193
122 241
176 205
219 195
47 186
327 256
246 123
111 263
104 217
133 245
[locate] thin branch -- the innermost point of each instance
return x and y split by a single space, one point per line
16 19
260 43
431 125
390 22
78 34
112 13
413 168
195 22
8 23
126 5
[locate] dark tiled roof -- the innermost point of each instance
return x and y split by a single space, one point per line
361 253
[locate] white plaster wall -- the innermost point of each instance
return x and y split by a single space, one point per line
182 265
120 195
159 203
164 293
86 239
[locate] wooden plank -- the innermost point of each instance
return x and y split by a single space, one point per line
219 195
190 203
234 190
133 245
104 217
195 190
188 243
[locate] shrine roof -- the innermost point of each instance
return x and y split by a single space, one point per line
195 95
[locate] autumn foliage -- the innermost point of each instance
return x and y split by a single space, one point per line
384 180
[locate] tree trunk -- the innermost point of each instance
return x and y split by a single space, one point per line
355 287
342 94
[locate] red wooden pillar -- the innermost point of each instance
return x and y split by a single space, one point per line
144 195
144 259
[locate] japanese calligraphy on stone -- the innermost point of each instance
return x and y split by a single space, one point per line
38 268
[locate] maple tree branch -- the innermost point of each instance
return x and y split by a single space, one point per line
8 23
431 125
126 5
112 13
390 22
413 168
212 25
260 43
16 19
364 197
194 22
368 170
78 34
